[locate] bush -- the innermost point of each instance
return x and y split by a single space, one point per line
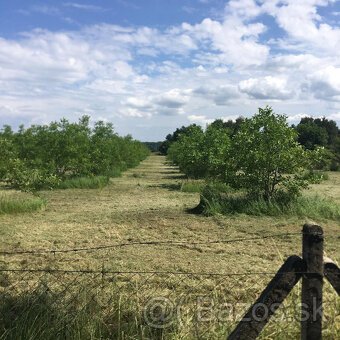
96 182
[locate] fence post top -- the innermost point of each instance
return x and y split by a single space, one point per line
312 228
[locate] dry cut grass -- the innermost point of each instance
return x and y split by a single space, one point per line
146 203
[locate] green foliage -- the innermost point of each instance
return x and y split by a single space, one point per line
311 135
187 152
259 160
28 179
172 138
314 177
266 159
40 157
321 132
153 146
13 206
202 154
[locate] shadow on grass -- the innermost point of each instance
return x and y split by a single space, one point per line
179 176
171 187
168 172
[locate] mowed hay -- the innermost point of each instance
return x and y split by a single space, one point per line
151 207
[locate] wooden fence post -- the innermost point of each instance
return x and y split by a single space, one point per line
269 301
312 280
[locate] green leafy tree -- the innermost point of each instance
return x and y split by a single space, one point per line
41 156
187 152
172 138
266 159
215 148
311 135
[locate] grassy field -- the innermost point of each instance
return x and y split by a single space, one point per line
145 204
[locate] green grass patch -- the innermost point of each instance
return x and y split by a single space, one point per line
96 182
228 203
192 186
13 206
115 172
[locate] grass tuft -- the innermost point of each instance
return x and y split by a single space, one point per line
192 186
96 182
214 202
115 172
13 206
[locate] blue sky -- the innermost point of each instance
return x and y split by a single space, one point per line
153 65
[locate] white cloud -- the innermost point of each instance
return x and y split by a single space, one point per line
296 118
202 120
191 72
325 83
266 88
82 6
220 95
334 116
173 99
300 19
44 9
236 42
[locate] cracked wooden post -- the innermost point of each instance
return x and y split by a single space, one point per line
271 298
312 280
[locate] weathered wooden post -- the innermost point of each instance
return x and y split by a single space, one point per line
269 301
312 280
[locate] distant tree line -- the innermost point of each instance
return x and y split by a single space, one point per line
42 156
153 146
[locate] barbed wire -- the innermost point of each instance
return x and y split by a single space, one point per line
141 243
147 272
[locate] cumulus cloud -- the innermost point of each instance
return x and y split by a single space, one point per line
300 19
220 95
172 99
325 83
202 120
266 88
